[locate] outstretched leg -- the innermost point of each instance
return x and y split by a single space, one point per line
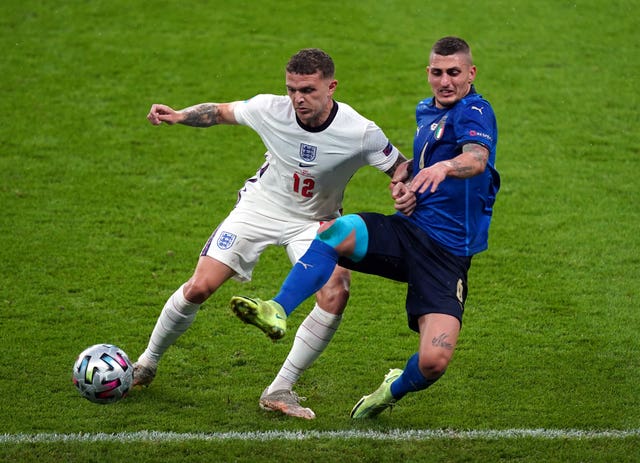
315 272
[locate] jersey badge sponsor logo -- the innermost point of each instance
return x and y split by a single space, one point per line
226 240
308 152
439 130
475 133
475 108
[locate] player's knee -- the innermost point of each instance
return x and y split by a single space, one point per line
433 366
348 235
333 300
197 290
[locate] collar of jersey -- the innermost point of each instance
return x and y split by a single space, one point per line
324 125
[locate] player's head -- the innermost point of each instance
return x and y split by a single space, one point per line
310 85
451 71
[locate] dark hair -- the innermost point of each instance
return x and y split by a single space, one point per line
450 46
311 60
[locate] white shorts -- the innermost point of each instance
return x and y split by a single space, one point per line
244 235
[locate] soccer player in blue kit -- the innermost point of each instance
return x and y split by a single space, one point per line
429 247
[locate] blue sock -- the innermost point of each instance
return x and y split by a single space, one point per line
307 276
411 380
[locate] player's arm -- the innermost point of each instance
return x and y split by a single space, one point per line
400 173
399 164
200 115
470 162
378 145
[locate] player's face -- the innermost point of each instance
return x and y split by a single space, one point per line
312 97
450 78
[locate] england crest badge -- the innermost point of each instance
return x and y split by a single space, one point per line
226 240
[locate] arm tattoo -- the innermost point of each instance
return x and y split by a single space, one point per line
473 163
441 341
480 153
202 115
459 169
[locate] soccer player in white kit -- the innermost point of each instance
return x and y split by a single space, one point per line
314 146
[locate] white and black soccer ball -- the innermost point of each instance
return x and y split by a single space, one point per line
103 374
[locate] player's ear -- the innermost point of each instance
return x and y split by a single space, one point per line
332 86
472 74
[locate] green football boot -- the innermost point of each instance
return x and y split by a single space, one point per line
269 316
378 401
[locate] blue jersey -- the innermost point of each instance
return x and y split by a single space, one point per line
458 213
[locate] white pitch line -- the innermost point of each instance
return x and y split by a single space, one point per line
392 435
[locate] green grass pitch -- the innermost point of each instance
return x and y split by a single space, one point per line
103 216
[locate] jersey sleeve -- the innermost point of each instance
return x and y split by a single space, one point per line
478 124
249 112
378 150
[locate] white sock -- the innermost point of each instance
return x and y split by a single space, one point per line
312 337
176 317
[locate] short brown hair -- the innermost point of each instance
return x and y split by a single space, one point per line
450 46
311 60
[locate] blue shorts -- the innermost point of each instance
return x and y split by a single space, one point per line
399 250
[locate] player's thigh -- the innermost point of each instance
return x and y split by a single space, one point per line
208 276
386 249
240 239
298 238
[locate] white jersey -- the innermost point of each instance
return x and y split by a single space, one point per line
307 169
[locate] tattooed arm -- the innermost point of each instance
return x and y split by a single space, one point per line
200 115
472 161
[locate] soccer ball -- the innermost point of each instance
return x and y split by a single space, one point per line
103 374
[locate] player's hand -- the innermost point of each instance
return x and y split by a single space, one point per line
160 113
430 177
402 173
405 199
